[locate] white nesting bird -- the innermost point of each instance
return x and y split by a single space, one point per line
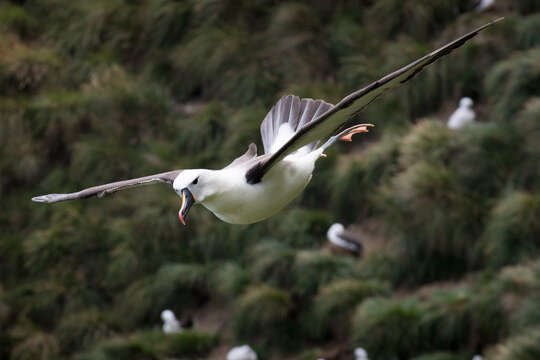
484 5
360 354
244 352
254 187
463 115
171 324
344 240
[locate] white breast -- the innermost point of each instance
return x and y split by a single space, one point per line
242 203
461 117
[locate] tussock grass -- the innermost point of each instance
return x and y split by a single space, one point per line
353 191
440 356
375 316
230 280
272 262
510 234
428 141
173 286
335 302
94 92
433 215
81 330
524 346
38 345
529 32
313 269
262 313
511 82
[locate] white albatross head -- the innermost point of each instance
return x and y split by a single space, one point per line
360 354
194 186
244 352
334 230
167 316
466 102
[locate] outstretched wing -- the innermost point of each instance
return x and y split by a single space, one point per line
332 119
106 189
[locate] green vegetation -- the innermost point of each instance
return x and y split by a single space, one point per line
92 92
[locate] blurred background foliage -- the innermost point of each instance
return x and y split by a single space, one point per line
92 92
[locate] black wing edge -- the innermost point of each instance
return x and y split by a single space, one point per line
106 189
256 173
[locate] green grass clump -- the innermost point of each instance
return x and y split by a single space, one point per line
433 217
173 286
529 32
152 344
387 328
37 345
81 330
510 234
511 82
272 263
428 141
461 319
352 194
190 344
262 312
335 302
16 18
440 356
230 280
313 269
485 155
525 346
417 18
24 68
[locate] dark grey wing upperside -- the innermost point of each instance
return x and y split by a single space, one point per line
352 239
106 189
294 111
328 122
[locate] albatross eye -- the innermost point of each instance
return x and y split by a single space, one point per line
194 182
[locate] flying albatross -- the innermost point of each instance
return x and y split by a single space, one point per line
254 187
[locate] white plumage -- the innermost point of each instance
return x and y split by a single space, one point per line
171 324
334 237
484 4
243 352
463 115
360 354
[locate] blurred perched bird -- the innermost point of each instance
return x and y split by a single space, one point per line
484 4
171 324
360 354
254 187
463 115
243 352
342 241
477 357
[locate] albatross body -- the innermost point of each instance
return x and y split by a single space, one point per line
254 187
238 202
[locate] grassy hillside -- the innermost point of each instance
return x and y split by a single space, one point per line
92 92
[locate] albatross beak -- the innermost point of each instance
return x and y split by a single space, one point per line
187 200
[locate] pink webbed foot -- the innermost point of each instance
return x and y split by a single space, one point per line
360 128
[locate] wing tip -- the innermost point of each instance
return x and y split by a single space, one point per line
44 198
